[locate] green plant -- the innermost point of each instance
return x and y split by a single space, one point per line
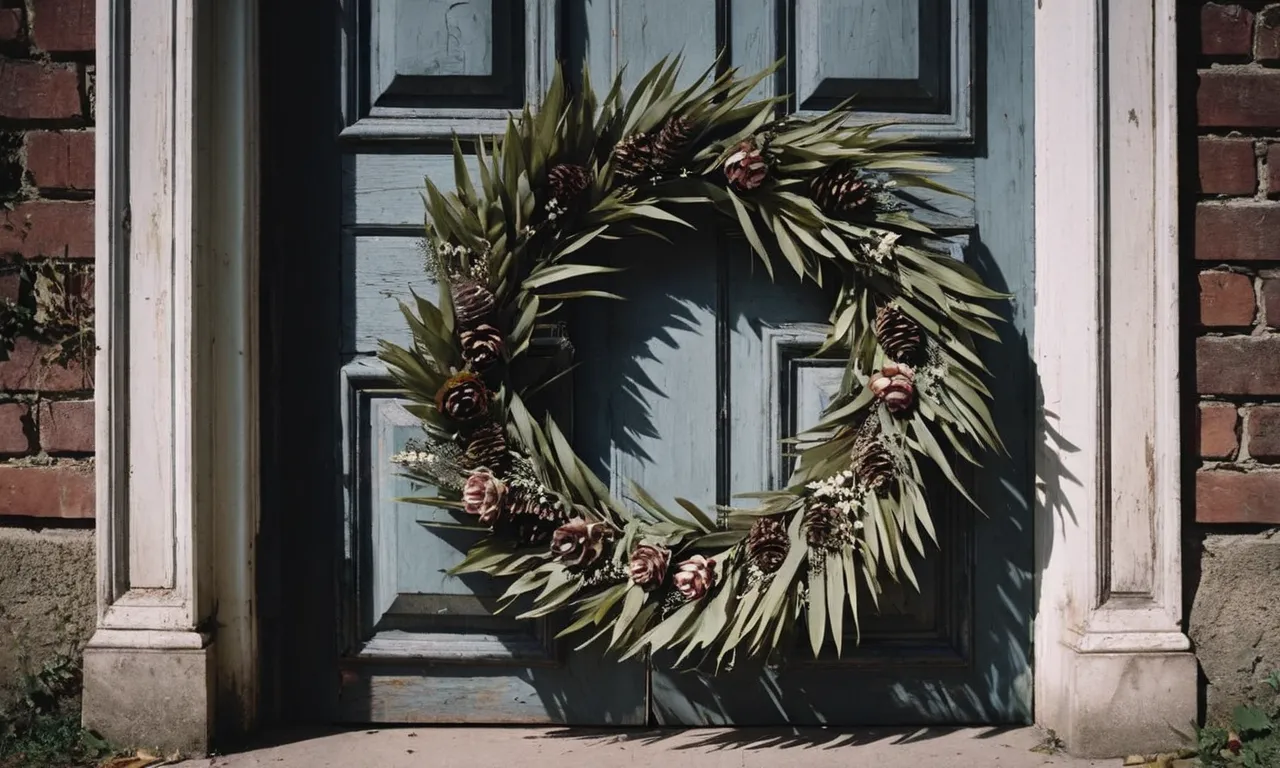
41 727
54 307
1252 739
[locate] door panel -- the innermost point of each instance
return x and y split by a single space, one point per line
688 386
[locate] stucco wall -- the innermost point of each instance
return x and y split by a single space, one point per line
1232 58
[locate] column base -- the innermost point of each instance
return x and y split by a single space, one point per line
150 689
1128 703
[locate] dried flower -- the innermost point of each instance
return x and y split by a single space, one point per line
483 495
895 386
463 397
481 346
648 567
579 543
746 168
695 577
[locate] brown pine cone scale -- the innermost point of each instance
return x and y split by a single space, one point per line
841 191
767 543
897 333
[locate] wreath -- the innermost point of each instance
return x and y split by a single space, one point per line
828 199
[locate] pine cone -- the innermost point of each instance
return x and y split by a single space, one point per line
767 543
872 463
531 516
746 168
487 447
567 181
481 346
532 505
841 191
672 143
463 397
473 304
897 333
822 526
633 157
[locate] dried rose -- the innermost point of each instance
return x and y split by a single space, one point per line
482 496
895 386
463 397
695 577
746 168
481 346
648 567
579 543
1234 745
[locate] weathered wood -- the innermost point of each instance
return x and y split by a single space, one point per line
905 61
427 68
383 190
687 387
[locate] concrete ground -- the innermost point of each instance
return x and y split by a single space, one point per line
705 748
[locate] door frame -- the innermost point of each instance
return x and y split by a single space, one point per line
182 359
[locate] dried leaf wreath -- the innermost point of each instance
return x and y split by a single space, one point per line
827 199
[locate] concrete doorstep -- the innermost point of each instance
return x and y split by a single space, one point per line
453 747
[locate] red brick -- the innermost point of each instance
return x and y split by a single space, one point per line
1267 47
1238 365
28 370
13 429
66 426
1225 30
10 24
30 90
60 159
1239 98
10 285
1274 169
1237 497
1227 166
1271 301
1226 299
1262 425
1217 431
43 228
65 490
1237 232
63 26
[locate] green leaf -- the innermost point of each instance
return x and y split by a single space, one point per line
1250 720
749 229
834 573
817 612
548 275
697 514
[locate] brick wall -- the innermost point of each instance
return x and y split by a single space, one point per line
46 253
1237 257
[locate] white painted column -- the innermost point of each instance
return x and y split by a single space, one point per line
176 372
1114 671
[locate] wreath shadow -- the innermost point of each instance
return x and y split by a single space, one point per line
624 391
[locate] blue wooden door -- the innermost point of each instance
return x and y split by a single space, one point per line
688 387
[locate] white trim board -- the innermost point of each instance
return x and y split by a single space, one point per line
1113 666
